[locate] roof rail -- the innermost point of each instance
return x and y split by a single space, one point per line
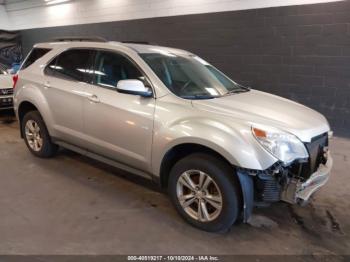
138 42
79 39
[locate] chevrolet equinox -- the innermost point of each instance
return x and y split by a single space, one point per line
217 147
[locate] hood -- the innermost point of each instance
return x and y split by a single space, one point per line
5 81
267 109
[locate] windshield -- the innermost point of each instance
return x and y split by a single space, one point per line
190 77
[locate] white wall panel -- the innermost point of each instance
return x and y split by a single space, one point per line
4 24
36 14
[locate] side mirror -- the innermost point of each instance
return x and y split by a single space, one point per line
133 87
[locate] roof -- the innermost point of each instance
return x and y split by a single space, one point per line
139 48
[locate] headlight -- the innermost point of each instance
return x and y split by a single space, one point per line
284 146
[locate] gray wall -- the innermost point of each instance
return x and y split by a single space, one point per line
299 52
10 48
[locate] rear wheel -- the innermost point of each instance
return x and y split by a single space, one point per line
204 192
36 136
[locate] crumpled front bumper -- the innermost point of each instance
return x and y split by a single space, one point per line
300 192
259 189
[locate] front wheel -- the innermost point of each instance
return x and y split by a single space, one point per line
205 192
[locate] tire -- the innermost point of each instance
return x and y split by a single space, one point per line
224 179
47 148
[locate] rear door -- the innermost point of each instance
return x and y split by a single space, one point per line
64 88
119 126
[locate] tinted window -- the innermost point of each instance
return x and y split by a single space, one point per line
50 69
34 55
110 68
71 65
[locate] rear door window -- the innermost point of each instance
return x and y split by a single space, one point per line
74 65
34 55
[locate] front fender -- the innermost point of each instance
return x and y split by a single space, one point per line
237 145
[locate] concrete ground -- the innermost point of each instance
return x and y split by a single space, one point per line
73 205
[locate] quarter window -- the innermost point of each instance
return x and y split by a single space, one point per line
71 65
34 55
110 68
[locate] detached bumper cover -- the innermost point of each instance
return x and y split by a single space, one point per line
268 187
297 191
316 181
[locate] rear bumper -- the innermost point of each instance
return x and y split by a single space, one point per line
297 191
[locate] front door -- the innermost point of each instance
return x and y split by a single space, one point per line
119 126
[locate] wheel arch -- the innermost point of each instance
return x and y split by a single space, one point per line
30 97
180 151
243 180
23 108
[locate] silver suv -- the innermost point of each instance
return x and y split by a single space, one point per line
219 148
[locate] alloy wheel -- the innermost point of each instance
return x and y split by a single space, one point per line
33 135
199 195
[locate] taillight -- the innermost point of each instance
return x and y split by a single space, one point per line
15 79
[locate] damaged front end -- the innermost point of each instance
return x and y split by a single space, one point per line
293 183
296 182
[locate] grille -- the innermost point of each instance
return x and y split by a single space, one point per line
316 149
6 92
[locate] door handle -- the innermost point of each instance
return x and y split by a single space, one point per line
94 99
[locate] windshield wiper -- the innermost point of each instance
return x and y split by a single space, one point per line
199 97
242 89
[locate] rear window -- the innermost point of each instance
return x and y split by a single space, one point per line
34 55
